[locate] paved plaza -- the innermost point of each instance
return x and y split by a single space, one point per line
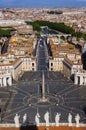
24 97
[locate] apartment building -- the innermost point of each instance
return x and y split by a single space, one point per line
65 58
16 66
56 64
18 59
70 66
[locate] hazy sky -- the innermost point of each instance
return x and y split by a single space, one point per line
42 3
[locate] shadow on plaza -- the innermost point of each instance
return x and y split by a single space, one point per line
31 127
84 60
72 77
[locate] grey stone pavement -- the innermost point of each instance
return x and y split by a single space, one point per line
24 97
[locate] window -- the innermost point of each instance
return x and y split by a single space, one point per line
51 64
32 64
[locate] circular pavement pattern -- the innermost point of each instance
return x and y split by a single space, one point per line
37 101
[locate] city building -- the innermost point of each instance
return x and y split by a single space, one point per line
65 58
16 66
21 57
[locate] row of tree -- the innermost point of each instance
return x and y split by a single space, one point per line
61 27
54 12
55 26
6 31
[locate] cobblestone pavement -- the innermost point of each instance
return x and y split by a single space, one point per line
61 94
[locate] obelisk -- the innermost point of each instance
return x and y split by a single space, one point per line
43 98
43 86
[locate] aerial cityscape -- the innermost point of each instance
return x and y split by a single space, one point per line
43 65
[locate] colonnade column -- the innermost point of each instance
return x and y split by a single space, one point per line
4 81
81 79
75 79
0 82
84 80
10 81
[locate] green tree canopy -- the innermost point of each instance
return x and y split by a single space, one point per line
61 27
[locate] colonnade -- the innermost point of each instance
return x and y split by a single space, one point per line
80 78
5 79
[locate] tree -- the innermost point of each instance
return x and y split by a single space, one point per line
36 27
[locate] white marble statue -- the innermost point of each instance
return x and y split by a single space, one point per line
16 120
77 119
25 118
46 118
37 120
70 119
57 119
